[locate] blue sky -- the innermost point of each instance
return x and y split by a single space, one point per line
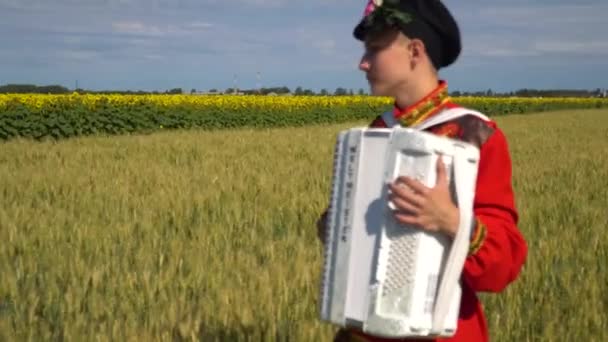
203 44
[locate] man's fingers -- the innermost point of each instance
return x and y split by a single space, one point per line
405 194
412 184
403 205
442 177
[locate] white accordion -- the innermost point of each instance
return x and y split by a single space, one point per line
381 277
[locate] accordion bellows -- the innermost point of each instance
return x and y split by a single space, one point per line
381 277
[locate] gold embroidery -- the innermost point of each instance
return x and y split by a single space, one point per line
478 238
426 107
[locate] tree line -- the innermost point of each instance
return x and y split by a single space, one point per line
298 91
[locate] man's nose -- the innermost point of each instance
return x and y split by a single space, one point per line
364 64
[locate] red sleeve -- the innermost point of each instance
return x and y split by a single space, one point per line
498 249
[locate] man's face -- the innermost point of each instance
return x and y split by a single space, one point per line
386 62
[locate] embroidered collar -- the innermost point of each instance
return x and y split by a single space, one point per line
425 108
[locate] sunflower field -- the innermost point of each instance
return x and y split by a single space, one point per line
63 116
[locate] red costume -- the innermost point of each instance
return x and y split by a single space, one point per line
498 249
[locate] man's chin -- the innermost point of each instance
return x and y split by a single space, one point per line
377 91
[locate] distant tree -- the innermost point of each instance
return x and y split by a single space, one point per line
324 92
340 91
361 91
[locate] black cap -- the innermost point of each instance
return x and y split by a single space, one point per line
427 20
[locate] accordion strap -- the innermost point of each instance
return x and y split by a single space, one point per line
444 116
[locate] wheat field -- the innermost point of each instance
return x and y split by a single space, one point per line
206 236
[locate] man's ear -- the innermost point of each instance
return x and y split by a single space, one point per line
417 49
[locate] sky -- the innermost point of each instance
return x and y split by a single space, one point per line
204 44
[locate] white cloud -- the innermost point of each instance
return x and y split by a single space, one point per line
325 46
497 52
154 57
574 47
79 55
264 3
522 29
538 15
200 25
135 27
45 5
140 28
319 40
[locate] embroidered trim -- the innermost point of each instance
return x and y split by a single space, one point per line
423 109
478 237
450 130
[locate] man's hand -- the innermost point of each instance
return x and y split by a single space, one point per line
431 209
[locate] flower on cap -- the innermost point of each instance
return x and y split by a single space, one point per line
371 6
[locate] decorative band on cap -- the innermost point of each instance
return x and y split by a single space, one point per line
378 13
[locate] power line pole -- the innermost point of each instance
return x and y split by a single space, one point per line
259 83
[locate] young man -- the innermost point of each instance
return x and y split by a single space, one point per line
406 43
